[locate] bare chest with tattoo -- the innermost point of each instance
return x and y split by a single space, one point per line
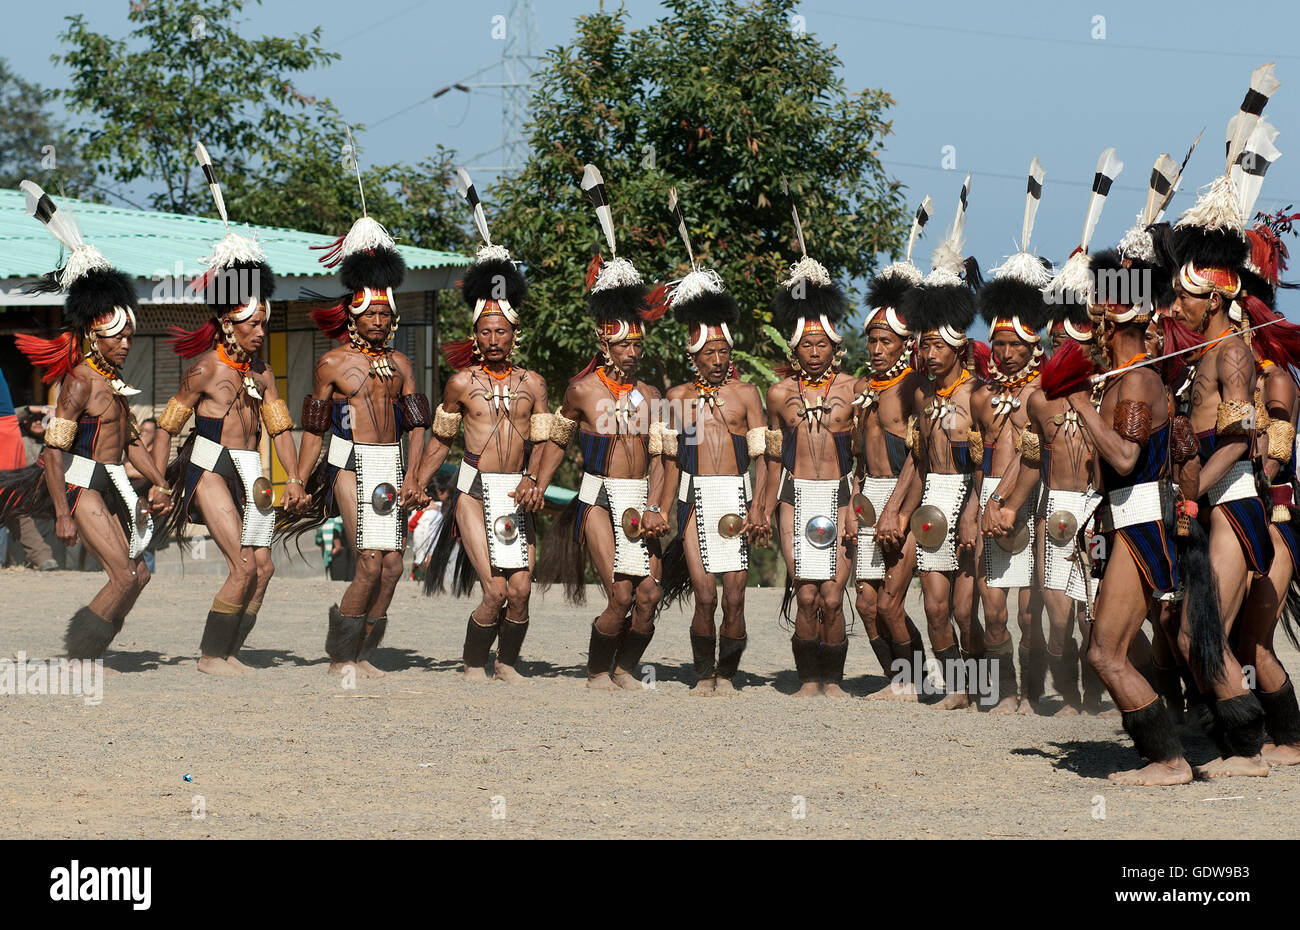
942 422
111 439
625 416
818 413
224 396
1065 447
496 414
711 421
369 399
888 414
1005 416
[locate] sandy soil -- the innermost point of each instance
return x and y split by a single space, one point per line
421 753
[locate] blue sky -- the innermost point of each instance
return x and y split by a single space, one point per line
999 82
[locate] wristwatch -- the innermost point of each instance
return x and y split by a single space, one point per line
529 475
997 498
652 508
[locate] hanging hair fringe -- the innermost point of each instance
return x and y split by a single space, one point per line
190 343
562 560
676 581
1204 613
1291 609
57 356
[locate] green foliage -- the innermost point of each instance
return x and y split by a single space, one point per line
185 74
719 99
33 144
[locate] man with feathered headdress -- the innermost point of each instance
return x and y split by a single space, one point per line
616 516
886 557
1211 247
1013 306
716 428
810 464
1126 418
506 419
218 473
945 461
93 431
364 395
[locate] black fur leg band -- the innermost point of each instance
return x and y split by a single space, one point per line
1241 721
344 636
1153 733
805 658
510 641
702 652
600 651
1169 685
371 640
729 653
631 649
884 654
1002 669
1065 673
830 661
1033 673
219 632
1281 714
88 635
478 642
246 623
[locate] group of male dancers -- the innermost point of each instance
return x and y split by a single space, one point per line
1121 450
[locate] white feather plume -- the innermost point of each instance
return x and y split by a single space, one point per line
1026 267
810 270
617 272
1074 282
365 234
82 257
233 248
1110 166
1260 146
1036 175
1218 207
463 186
696 284
1263 81
591 178
919 222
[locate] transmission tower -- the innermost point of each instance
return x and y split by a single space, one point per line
517 66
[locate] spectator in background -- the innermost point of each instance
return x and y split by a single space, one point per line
17 450
424 525
334 551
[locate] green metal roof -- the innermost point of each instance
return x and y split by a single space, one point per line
146 244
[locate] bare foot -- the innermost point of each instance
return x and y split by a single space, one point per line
240 667
1281 755
602 682
808 689
704 687
366 670
831 689
627 681
507 674
955 700
219 667
896 692
1026 708
724 686
1005 706
1233 765
475 673
338 668
1069 710
1173 772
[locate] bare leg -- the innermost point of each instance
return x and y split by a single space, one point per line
704 633
732 643
103 537
997 644
904 639
1121 607
225 525
598 536
473 539
833 634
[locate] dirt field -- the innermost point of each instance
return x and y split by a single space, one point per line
290 753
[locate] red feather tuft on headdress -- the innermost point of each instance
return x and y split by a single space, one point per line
1176 337
983 356
1279 343
333 320
333 252
593 269
57 356
459 353
1068 370
656 304
189 343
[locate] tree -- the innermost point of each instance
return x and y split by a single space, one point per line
720 99
185 74
33 144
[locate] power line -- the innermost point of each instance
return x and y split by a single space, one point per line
1019 37
377 24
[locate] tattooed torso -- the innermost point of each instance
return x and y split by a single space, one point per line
818 412
370 398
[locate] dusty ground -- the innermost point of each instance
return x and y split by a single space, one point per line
289 753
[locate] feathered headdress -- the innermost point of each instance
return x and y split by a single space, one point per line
369 266
885 293
616 295
1074 282
1262 274
100 301
944 302
1124 289
236 280
699 299
492 284
809 299
1013 299
1209 237
1137 243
